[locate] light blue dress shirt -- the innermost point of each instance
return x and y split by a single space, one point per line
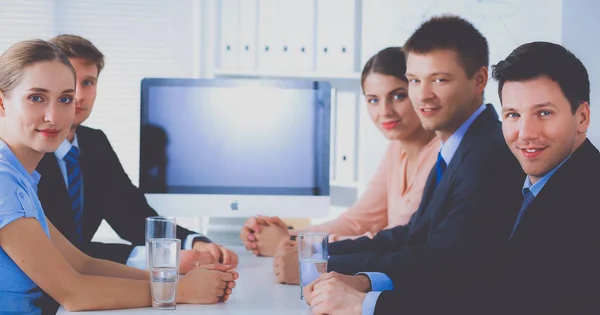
18 199
137 257
537 187
381 282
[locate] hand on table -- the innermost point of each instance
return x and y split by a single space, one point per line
333 295
361 283
219 253
259 241
285 263
207 284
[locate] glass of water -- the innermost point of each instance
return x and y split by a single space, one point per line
159 227
164 271
312 255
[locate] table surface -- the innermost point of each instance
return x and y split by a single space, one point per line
256 292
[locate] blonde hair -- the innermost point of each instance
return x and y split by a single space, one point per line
21 55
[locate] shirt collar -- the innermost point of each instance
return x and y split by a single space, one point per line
64 148
451 145
537 187
7 154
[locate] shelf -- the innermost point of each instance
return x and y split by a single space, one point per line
345 184
288 74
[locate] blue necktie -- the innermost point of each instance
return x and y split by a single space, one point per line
440 168
74 188
526 202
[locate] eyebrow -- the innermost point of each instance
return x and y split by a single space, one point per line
90 77
42 90
536 106
545 104
390 92
431 74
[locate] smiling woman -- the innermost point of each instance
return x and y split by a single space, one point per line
37 86
394 193
37 89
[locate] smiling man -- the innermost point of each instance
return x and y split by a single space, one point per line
552 258
468 204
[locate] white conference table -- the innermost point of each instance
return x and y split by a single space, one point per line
256 292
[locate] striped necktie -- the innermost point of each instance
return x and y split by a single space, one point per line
526 202
440 168
74 188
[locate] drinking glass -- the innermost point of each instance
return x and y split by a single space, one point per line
164 271
160 227
312 256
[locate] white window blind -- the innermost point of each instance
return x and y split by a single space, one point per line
139 38
25 19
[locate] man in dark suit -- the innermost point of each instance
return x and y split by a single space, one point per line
551 261
105 192
463 213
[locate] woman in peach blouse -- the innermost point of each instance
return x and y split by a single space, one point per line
394 193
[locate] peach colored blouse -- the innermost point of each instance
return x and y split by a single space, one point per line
389 200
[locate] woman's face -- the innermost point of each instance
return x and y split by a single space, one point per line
39 111
389 106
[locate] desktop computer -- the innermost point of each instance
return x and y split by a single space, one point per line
235 147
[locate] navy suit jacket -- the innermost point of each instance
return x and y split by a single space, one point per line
468 212
552 263
108 195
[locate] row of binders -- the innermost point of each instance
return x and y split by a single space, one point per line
290 35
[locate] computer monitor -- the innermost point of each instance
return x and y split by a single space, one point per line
235 147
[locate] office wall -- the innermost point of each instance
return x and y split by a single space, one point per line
580 27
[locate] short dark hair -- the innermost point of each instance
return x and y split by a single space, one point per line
388 61
537 59
455 33
78 47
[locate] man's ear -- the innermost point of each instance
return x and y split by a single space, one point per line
481 79
582 116
2 103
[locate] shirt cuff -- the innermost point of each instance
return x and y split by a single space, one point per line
379 281
368 306
189 240
137 258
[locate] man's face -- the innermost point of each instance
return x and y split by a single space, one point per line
442 94
539 126
85 94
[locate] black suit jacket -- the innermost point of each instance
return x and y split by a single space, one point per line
468 212
552 263
108 194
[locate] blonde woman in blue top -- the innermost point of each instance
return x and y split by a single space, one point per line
37 87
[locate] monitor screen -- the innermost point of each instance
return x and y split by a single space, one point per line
235 137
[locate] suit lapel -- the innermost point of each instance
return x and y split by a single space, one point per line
426 197
438 194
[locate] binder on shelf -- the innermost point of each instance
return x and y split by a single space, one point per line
345 136
248 29
297 35
269 35
229 31
336 35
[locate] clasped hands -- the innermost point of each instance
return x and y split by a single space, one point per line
208 274
333 293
